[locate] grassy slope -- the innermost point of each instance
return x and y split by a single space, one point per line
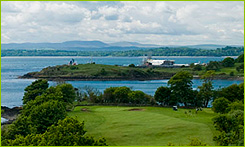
154 126
95 71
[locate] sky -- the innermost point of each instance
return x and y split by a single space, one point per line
162 23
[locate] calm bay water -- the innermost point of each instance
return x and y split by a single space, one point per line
12 88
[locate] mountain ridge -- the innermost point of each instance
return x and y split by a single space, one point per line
97 45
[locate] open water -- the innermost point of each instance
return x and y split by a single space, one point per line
12 88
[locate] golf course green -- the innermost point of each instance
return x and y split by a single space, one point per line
146 126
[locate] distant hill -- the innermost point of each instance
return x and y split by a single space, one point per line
210 46
97 46
132 44
78 46
58 46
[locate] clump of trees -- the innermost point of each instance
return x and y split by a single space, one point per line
180 91
114 95
227 62
44 121
230 119
229 123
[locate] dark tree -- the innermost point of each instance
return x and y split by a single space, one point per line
220 105
181 86
197 67
121 94
240 59
131 65
228 62
233 92
213 65
162 95
206 92
109 96
138 97
37 88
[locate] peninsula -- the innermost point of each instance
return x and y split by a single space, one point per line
99 72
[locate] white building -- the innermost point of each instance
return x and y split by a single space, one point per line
163 63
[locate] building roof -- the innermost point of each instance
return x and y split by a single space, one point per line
158 62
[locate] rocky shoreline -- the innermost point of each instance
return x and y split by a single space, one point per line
10 114
217 77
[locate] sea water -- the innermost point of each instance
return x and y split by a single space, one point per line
12 88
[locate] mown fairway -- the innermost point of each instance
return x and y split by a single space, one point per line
148 126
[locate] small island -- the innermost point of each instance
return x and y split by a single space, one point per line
229 68
83 72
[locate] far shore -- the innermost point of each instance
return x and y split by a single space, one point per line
116 56
138 79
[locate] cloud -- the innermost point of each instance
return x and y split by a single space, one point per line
161 22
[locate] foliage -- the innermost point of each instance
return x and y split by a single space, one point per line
103 72
240 59
131 65
232 93
38 119
88 93
40 112
121 94
67 132
163 51
213 65
197 67
220 105
139 97
124 95
240 68
228 62
37 88
162 95
196 142
206 92
231 124
231 128
68 92
108 95
181 86
237 105
46 114
21 126
195 100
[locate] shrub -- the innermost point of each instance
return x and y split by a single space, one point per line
220 105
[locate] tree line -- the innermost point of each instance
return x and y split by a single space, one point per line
163 51
178 92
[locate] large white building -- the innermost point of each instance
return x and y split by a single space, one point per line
163 63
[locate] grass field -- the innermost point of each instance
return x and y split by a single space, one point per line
147 126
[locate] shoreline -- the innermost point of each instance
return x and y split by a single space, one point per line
120 79
10 114
116 56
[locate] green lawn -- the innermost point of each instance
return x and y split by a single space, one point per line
153 126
